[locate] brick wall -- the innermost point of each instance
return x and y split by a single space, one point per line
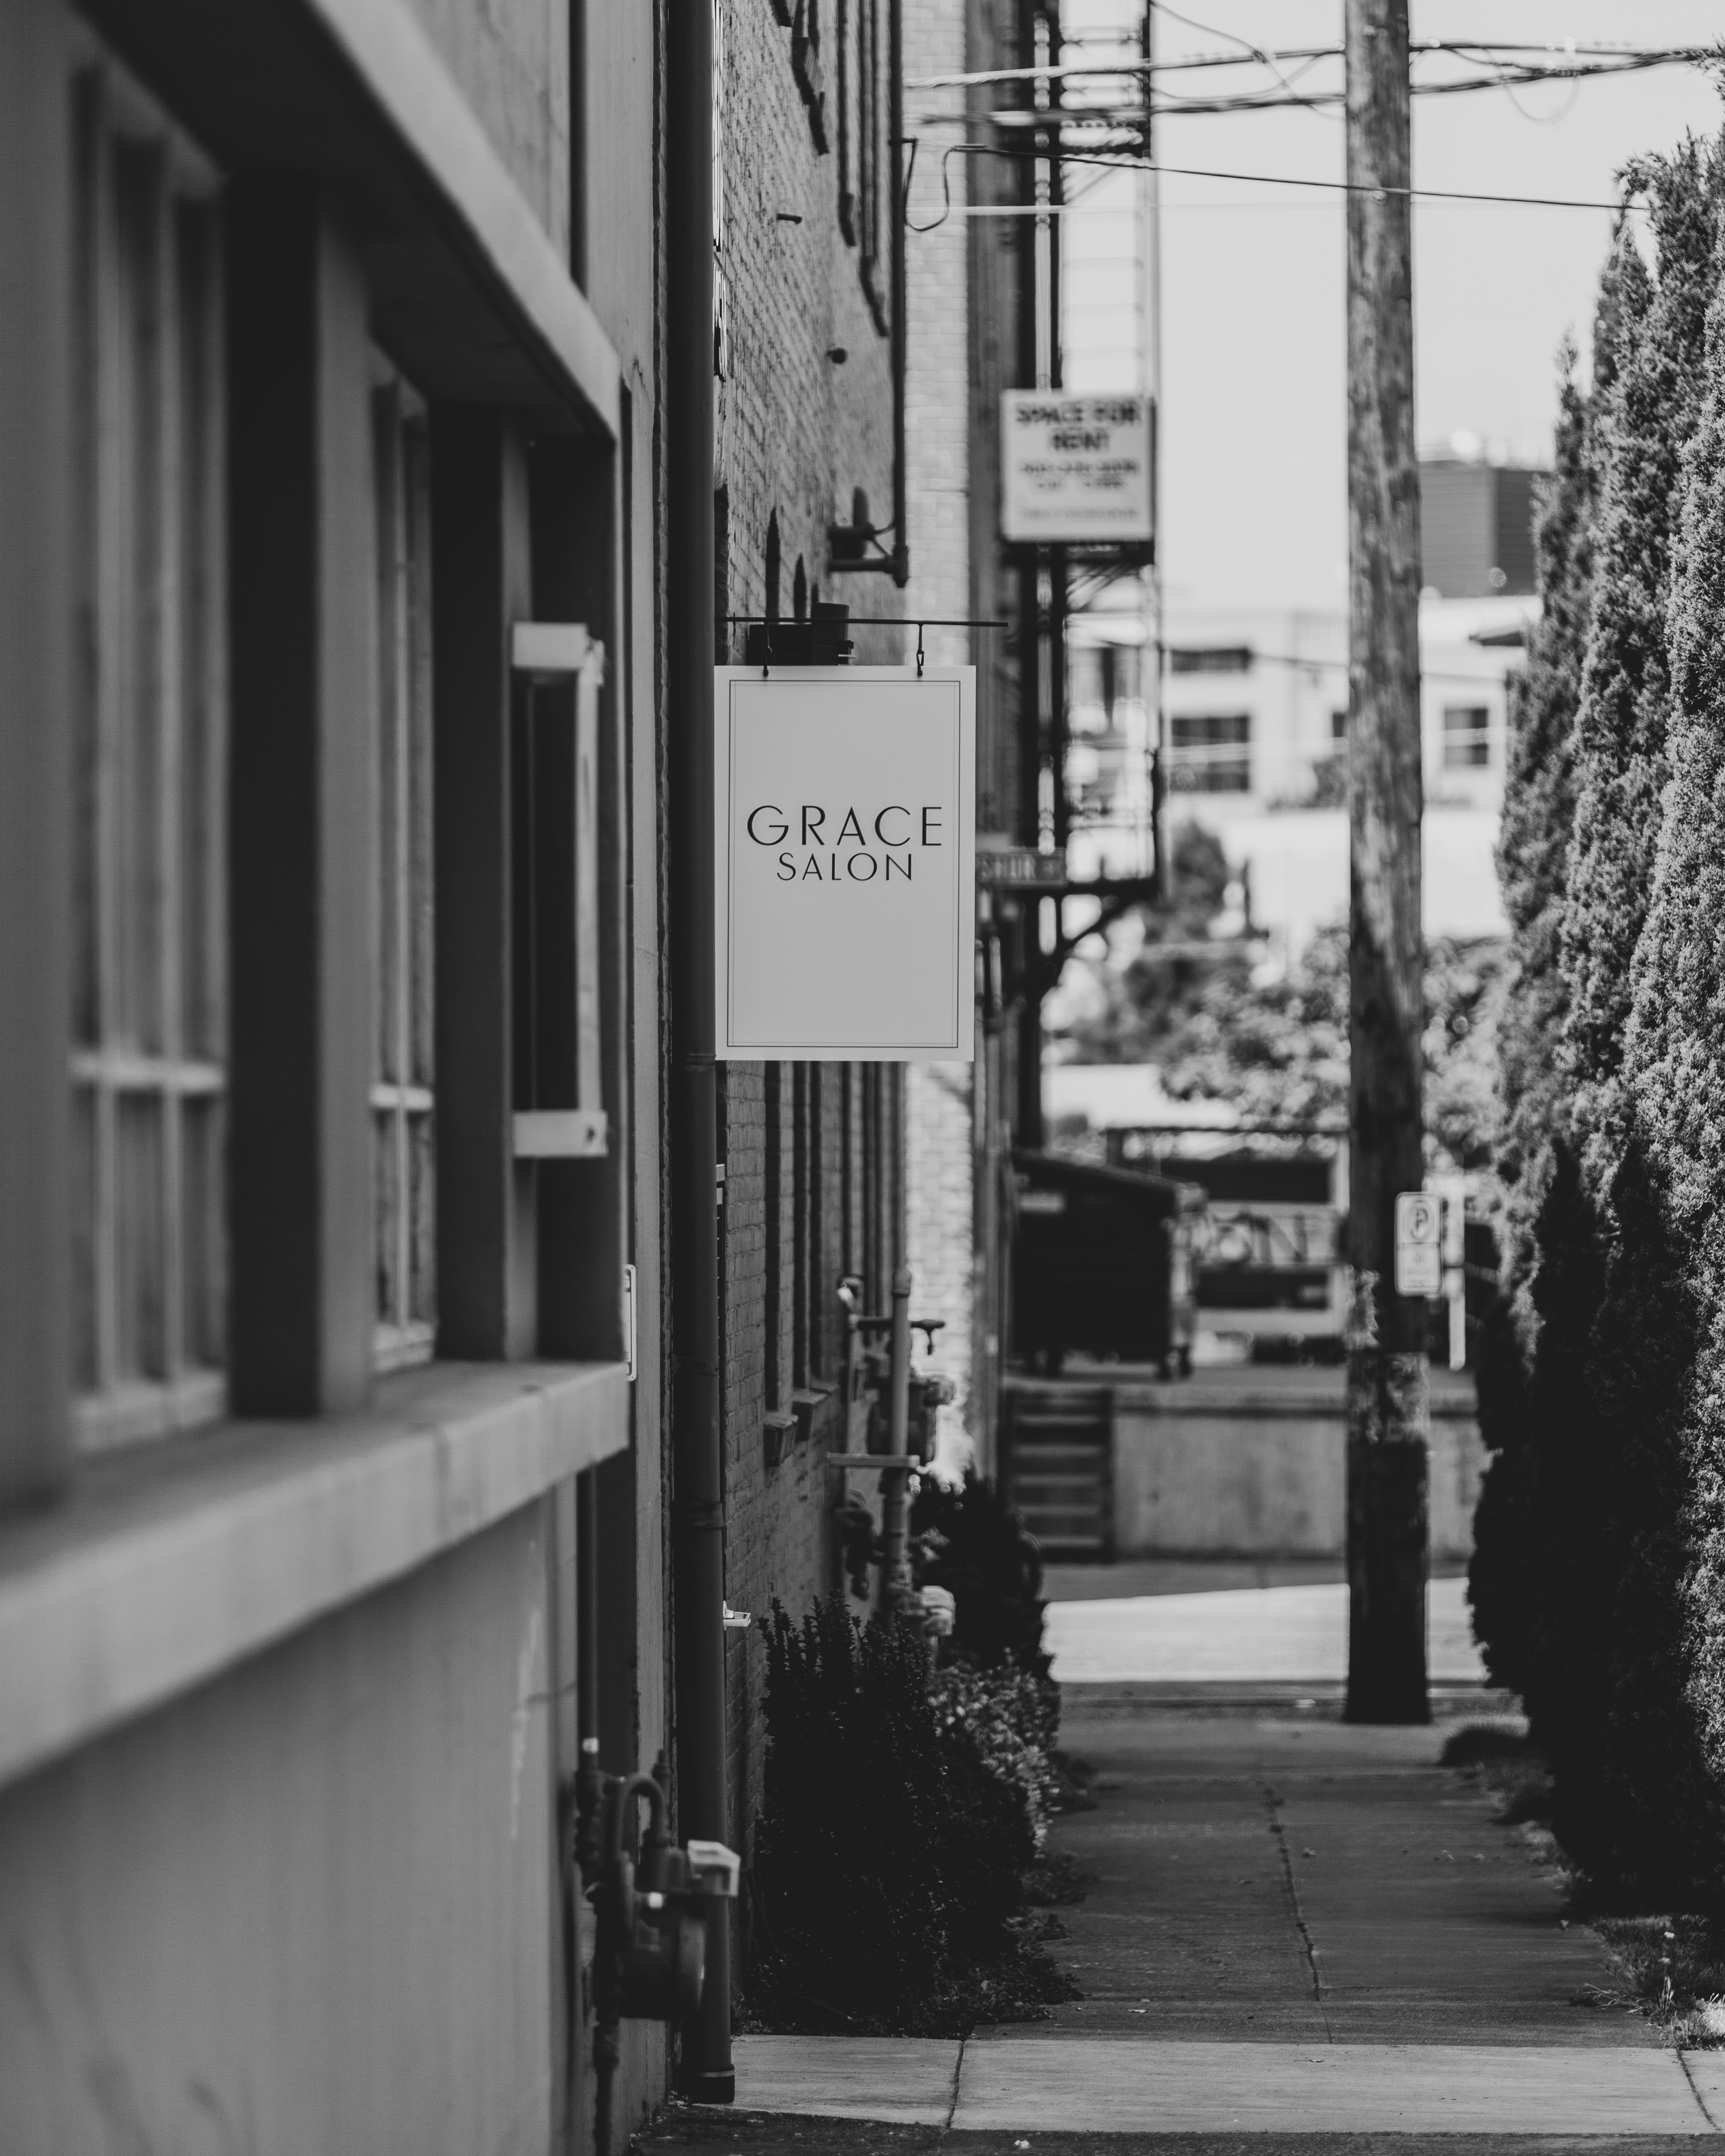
941 1210
798 431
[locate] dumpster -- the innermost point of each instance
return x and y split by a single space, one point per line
1101 1263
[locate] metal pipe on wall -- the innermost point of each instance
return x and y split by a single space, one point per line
901 344
697 1504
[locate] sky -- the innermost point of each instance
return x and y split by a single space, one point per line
1253 502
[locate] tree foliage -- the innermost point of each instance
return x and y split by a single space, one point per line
1620 727
1273 1045
1599 1562
1513 1578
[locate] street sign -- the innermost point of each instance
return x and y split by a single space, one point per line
844 855
1074 470
1020 868
1419 1243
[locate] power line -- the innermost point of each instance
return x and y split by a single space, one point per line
1122 163
1625 59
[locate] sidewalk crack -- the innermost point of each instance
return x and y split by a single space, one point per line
957 2071
1694 2090
1273 1802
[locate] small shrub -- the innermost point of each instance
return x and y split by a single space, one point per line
973 1542
1011 1718
890 1858
1676 1968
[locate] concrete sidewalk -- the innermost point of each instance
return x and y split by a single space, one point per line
1292 1878
1047 2085
1233 1635
1295 1931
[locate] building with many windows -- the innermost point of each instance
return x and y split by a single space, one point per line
336 1365
1256 712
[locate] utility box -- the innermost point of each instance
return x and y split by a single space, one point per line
1100 1265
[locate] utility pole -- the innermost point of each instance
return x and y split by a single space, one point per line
1161 867
1388 1388
1042 584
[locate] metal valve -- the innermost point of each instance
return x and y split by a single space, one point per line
650 1954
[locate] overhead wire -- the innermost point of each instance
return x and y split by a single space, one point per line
1625 58
1119 162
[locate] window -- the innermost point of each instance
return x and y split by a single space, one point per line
863 152
1211 753
148 1072
402 1101
1338 724
1467 736
1210 659
806 68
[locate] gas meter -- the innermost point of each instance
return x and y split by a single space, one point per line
650 1954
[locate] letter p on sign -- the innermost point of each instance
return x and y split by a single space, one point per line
1419 1249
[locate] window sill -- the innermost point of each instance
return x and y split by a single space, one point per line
806 1405
777 1425
166 1565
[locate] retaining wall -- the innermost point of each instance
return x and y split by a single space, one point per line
1253 1463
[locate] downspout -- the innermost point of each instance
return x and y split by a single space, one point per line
697 1504
901 337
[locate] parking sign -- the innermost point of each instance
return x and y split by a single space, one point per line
1419 1249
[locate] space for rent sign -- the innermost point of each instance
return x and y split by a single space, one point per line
1074 470
845 829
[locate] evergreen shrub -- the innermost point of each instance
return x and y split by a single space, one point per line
891 1857
1600 1557
1012 1718
972 1542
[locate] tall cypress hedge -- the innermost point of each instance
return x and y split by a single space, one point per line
1584 1542
1512 1540
1620 728
1647 1820
1674 1066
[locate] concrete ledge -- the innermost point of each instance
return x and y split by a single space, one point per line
1324 1699
1258 1392
468 291
381 40
166 1565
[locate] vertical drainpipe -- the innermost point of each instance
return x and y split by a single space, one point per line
900 343
698 1502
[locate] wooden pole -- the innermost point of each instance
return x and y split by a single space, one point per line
1388 1400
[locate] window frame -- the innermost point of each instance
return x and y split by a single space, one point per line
1210 761
1469 748
151 730
402 1095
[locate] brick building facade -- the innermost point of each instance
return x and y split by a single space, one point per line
814 1152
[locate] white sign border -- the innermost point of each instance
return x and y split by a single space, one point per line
963 1048
1015 511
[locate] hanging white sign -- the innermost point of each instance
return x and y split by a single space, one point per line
844 831
1074 470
